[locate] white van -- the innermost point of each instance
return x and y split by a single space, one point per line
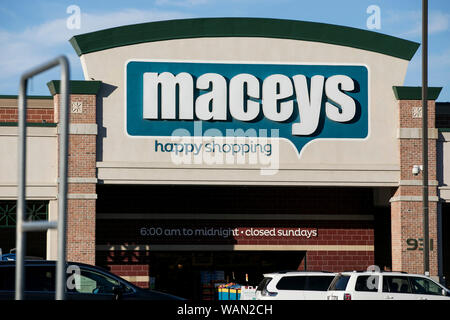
385 286
294 285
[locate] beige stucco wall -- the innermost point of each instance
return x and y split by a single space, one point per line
41 167
373 161
41 170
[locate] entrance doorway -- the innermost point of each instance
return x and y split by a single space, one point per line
195 275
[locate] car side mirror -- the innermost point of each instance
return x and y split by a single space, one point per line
117 291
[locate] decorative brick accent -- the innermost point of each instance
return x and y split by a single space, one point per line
81 164
406 109
407 216
138 274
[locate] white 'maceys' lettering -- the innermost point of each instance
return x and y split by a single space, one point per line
245 99
347 104
213 104
238 97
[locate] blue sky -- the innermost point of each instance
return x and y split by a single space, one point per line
32 32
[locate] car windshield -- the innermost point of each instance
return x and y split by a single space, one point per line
339 283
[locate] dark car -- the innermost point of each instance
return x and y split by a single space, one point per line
84 282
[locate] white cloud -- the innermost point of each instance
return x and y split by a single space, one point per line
437 22
90 22
25 49
56 32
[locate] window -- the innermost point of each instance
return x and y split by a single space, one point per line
40 278
363 283
340 283
425 286
35 211
319 283
396 284
95 283
292 283
37 278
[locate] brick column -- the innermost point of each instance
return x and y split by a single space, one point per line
82 179
406 204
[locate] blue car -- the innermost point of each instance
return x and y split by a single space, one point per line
8 257
12 257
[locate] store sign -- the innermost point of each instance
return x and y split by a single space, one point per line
208 232
302 102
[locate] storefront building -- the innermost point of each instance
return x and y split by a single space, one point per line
221 149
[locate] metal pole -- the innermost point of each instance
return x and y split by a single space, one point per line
62 192
25 226
426 253
20 208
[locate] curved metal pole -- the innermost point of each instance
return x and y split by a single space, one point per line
22 226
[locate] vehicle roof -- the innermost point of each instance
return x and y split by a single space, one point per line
387 273
48 263
298 273
44 262
53 263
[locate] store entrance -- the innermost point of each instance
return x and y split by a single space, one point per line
194 275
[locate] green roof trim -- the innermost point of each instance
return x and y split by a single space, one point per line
243 27
76 87
29 124
9 96
415 93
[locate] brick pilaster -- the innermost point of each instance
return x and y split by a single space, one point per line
406 204
82 180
